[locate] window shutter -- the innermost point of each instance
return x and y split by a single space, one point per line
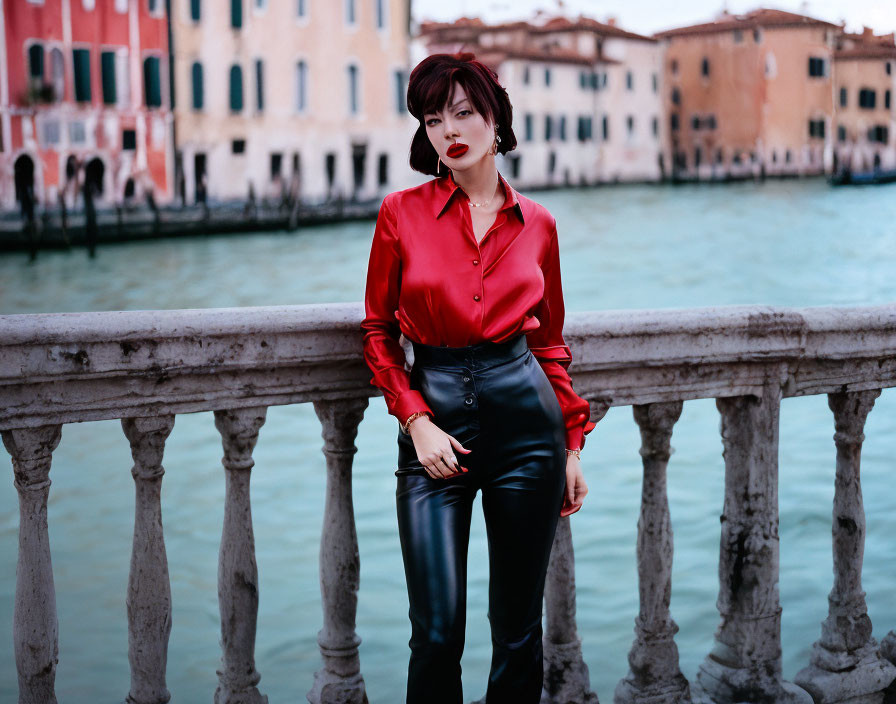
81 60
197 86
107 63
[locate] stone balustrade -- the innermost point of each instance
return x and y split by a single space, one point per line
146 367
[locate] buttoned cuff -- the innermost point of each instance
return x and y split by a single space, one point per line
409 402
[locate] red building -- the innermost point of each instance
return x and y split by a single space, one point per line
84 100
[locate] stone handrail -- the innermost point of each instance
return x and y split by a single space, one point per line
145 367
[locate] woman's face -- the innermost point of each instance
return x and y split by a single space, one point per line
461 136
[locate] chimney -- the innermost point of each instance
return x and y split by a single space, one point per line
867 32
611 21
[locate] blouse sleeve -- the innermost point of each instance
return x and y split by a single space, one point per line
382 351
547 345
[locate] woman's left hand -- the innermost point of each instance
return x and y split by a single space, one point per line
575 486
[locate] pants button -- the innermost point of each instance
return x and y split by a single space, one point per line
468 400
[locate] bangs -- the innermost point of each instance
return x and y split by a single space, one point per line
430 92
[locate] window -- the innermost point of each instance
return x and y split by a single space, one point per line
878 133
122 77
605 78
236 13
107 66
383 170
238 146
526 75
121 6
676 96
738 36
629 81
152 86
530 127
630 125
301 86
595 81
562 128
771 65
698 157
198 93
888 67
583 80
710 122
841 133
817 68
867 98
261 5
236 88
673 122
547 76
129 139
655 126
605 128
843 95
380 13
195 10
81 61
401 92
757 35
887 99
350 12
57 73
552 163
816 129
154 6
695 122
353 103
720 157
259 85
36 62
548 127
77 134
50 133
276 165
582 128
673 65
704 66
301 8
788 156
656 83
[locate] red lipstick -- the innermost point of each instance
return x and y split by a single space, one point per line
457 149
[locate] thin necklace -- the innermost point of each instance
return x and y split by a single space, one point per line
484 203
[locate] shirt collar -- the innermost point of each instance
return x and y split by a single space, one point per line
446 187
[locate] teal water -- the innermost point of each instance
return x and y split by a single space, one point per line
794 243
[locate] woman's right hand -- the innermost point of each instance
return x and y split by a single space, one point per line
435 449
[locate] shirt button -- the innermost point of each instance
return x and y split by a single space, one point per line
476 297
466 378
475 261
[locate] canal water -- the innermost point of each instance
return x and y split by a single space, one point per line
791 243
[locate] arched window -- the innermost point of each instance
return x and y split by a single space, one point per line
301 86
236 88
353 102
36 61
57 73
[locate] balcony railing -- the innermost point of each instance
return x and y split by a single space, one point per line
146 367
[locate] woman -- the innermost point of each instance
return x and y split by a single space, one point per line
468 270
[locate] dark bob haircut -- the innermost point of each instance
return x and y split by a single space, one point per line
429 88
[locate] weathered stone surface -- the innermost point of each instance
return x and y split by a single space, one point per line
35 629
237 570
654 675
149 588
339 681
846 663
745 662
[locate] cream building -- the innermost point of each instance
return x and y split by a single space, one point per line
306 96
586 97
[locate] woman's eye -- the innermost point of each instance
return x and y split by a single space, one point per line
430 121
465 111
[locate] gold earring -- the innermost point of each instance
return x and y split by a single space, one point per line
438 164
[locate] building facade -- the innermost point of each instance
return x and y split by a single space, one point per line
84 101
864 108
749 95
586 96
303 97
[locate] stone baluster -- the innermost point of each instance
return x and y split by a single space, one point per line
237 571
149 588
566 676
339 681
745 662
35 629
846 663
654 674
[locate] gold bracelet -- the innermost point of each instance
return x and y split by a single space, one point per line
406 428
575 452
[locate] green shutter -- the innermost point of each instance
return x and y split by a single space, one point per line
236 88
81 60
259 85
236 13
197 86
194 10
36 61
107 62
152 86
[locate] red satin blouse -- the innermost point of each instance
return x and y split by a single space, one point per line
429 279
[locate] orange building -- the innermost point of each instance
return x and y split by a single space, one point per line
749 95
864 110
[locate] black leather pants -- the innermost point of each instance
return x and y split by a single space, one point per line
495 400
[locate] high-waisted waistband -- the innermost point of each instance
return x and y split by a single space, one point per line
480 356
